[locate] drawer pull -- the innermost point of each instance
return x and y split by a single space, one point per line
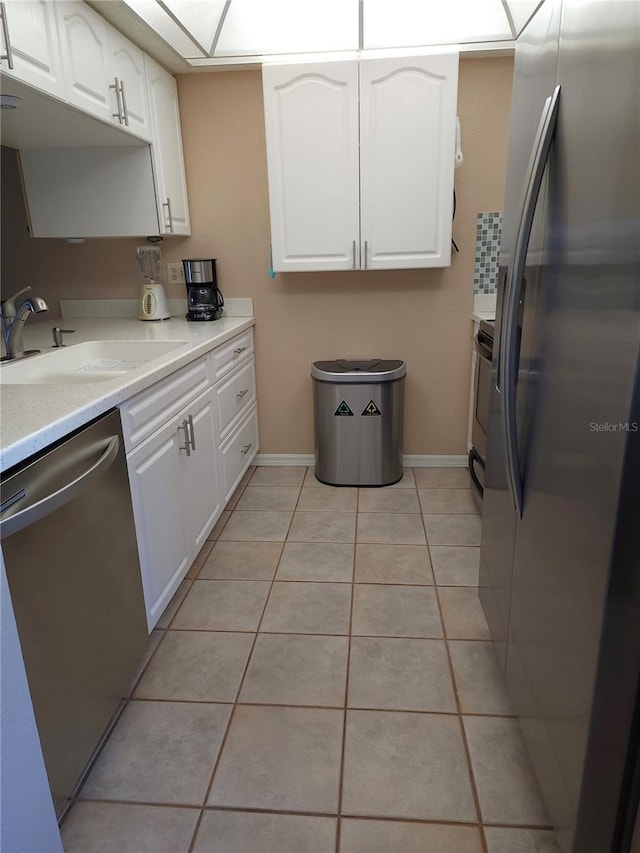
238 350
246 449
191 434
187 441
241 394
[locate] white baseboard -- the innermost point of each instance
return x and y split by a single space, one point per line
420 461
272 459
408 460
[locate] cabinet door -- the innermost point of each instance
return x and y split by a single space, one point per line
200 471
34 46
127 67
239 450
168 159
85 58
311 122
407 147
156 476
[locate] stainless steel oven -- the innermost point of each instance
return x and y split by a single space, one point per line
483 344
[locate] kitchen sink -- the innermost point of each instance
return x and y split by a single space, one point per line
93 361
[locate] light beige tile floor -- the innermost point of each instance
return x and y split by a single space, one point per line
322 682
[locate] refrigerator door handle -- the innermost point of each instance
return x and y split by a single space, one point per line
508 364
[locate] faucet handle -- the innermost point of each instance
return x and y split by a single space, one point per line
9 304
57 333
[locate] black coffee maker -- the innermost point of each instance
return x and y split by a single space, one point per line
204 300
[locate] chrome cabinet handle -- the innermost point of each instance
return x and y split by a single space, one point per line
353 252
62 496
125 111
238 350
7 42
192 432
116 87
366 254
507 367
241 394
167 204
246 449
187 441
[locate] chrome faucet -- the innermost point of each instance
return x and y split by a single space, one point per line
13 321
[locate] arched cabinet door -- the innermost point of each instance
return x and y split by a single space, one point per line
311 120
85 57
407 146
34 47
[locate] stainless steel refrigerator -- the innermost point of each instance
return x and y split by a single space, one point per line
560 556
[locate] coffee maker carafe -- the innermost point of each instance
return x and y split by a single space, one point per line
204 300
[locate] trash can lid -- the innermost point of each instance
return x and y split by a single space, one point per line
360 371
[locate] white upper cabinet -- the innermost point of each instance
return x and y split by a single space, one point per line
311 116
32 48
407 146
361 182
129 85
85 57
168 160
104 72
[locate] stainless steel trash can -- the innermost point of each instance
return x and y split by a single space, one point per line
358 415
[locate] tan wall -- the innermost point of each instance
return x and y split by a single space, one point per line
421 316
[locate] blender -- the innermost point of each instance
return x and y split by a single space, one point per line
153 300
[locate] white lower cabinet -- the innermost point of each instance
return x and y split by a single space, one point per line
238 450
176 493
189 440
155 475
203 491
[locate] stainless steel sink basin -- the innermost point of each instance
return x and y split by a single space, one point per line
93 361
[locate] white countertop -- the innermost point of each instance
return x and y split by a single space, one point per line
34 416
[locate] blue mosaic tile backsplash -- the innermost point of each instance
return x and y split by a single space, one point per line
488 232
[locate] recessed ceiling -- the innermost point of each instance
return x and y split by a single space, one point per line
228 32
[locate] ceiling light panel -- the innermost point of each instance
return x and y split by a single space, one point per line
156 17
254 27
521 11
407 23
199 17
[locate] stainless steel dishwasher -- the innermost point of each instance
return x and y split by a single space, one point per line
70 552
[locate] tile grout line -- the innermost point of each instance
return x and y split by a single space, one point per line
472 780
223 741
239 690
309 813
346 686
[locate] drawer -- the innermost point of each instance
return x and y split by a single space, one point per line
151 409
226 357
239 451
235 395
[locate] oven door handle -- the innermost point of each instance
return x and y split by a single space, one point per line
482 349
474 457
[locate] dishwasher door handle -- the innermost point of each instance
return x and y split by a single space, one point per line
30 514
